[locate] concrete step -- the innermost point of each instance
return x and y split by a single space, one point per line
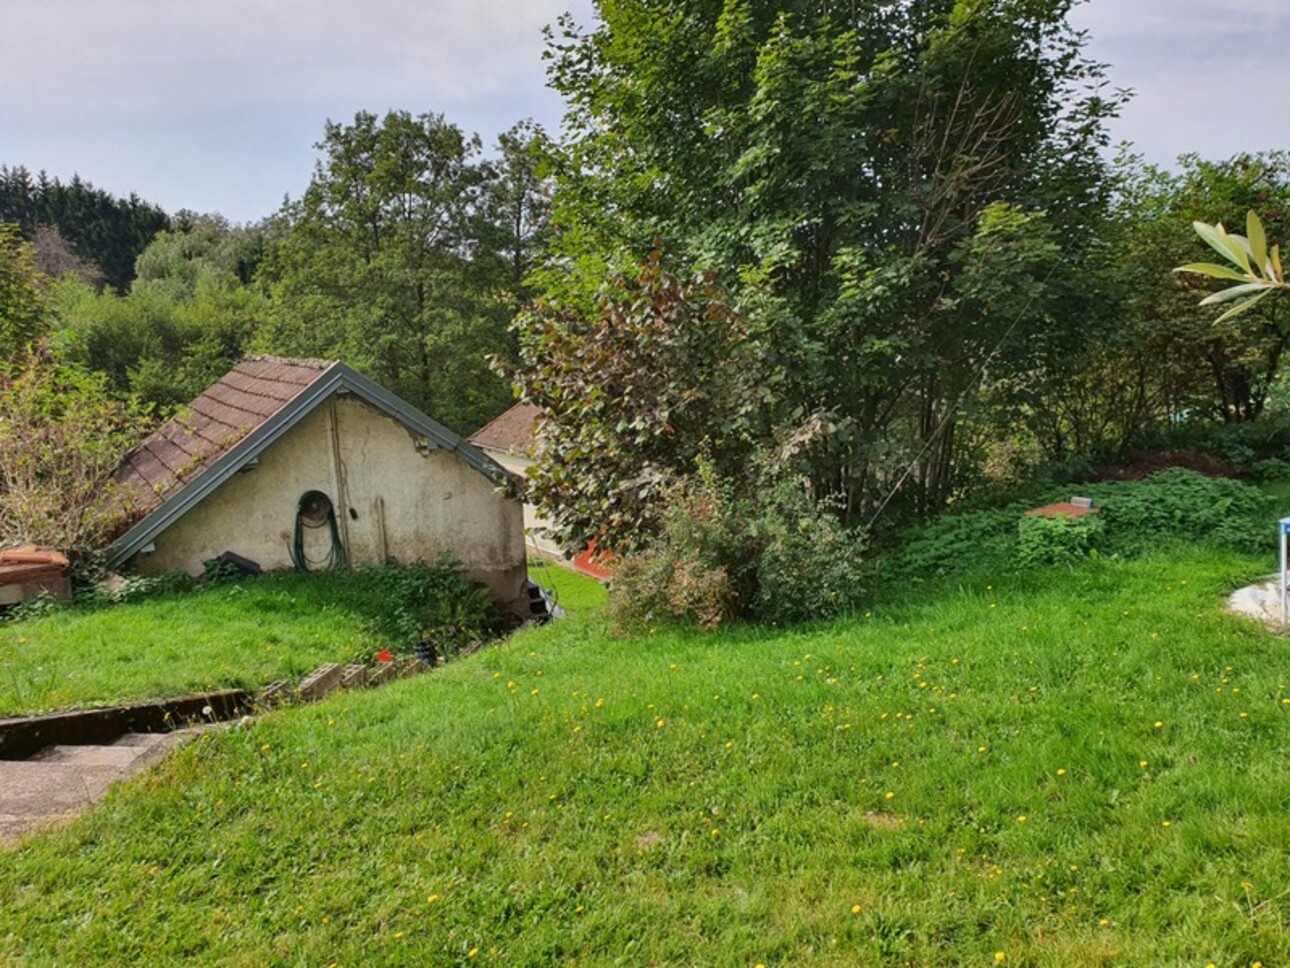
62 780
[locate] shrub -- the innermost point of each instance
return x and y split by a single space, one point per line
1182 504
436 603
1135 516
1044 540
776 557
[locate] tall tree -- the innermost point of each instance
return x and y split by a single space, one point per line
380 264
883 170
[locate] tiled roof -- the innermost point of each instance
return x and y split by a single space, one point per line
229 409
511 433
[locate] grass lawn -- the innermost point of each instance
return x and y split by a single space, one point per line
244 634
1068 768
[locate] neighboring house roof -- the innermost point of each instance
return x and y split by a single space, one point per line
234 420
511 433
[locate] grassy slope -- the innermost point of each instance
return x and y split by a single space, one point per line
846 795
244 634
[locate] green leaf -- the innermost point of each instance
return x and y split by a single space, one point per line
1222 243
1243 307
1258 241
1210 269
1236 292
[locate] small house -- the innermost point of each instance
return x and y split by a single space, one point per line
307 464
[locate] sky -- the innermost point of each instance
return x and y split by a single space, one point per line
215 105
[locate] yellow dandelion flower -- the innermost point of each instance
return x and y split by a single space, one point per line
660 723
1142 763
1158 724
1104 922
432 898
398 934
264 748
472 952
890 794
1021 818
1000 957
855 908
1061 772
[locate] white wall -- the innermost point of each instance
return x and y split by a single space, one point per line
407 504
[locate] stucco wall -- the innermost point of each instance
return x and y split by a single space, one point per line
394 499
534 523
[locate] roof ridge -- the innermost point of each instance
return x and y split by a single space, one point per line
309 361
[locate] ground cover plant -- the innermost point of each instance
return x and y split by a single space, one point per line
1134 516
1070 766
232 634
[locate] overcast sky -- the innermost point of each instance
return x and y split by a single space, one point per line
215 106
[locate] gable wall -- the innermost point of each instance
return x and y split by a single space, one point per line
427 503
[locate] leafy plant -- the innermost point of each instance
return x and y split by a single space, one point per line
1258 271
61 438
1060 539
777 556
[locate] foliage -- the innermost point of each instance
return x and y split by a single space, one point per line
185 322
675 799
1260 273
1163 366
776 556
24 294
62 436
664 371
390 261
1054 540
888 178
428 602
1136 516
106 233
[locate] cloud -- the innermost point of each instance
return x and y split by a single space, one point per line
216 105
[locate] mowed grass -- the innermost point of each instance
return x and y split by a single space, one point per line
243 634
1070 768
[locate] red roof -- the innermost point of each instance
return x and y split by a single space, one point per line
229 409
511 433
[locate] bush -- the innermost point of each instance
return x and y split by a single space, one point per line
1044 540
1183 504
1135 516
435 603
776 557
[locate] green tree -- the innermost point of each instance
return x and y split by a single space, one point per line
186 319
384 263
873 167
24 293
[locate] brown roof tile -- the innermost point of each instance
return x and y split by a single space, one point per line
229 409
511 433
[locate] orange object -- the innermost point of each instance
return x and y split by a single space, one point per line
594 564
384 656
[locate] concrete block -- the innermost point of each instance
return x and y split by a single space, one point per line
321 681
274 692
382 672
354 677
